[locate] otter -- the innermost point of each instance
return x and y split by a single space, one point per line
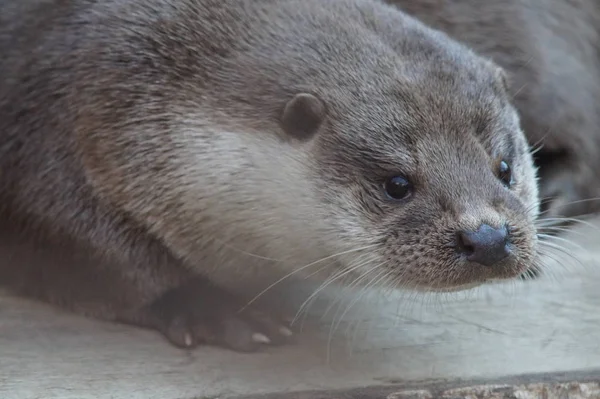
153 152
550 49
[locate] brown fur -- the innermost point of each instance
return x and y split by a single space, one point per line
145 165
551 49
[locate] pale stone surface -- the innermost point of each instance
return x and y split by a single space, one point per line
552 324
572 390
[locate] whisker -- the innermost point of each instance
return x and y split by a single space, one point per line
560 230
562 250
225 244
553 221
366 286
322 287
303 268
580 201
351 286
356 325
543 218
519 90
334 324
356 263
556 258
546 237
536 148
339 275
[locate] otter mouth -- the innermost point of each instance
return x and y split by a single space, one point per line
517 273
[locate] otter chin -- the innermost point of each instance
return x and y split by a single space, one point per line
155 151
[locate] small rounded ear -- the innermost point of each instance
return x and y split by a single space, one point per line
303 115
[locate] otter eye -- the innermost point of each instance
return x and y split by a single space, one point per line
398 187
505 174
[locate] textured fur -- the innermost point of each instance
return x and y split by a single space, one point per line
551 50
141 145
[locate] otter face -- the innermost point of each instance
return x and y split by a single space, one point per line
421 160
435 174
442 187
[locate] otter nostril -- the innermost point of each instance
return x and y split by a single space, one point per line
486 246
463 244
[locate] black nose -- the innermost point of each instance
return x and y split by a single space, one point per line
486 246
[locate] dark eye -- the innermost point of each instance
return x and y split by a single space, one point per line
398 188
505 174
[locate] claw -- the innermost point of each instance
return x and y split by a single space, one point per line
187 338
286 332
260 338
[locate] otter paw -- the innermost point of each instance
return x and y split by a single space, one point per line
200 313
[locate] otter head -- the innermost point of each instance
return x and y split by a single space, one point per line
418 157
433 177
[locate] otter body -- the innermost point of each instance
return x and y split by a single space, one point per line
551 50
154 151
